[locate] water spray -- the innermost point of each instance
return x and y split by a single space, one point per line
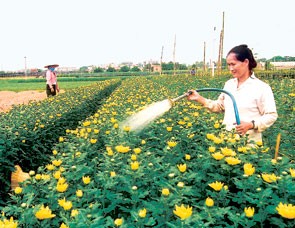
144 117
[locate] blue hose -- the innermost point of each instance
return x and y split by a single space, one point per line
230 95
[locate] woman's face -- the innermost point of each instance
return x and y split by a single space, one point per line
237 68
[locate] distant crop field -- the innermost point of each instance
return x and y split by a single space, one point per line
22 84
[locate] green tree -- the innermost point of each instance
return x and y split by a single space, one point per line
167 66
147 67
111 69
267 65
135 69
83 69
181 66
98 70
124 69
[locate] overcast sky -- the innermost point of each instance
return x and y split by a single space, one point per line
75 33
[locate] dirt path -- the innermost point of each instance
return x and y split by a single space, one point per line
9 98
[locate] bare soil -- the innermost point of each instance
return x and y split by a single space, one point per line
9 98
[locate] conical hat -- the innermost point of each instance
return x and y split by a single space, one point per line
52 65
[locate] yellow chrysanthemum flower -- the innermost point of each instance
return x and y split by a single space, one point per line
67 205
45 177
118 221
217 186
137 150
182 167
180 184
62 187
169 128
86 123
44 213
57 162
181 122
79 193
109 151
292 172
96 131
61 180
86 179
217 140
286 210
242 149
18 190
134 165
259 143
112 174
63 226
57 174
183 212
8 223
210 136
212 149
216 125
187 157
218 156
126 128
209 202
249 169
93 141
269 178
249 211
171 143
122 149
142 213
38 176
165 191
133 157
74 212
228 152
232 161
50 167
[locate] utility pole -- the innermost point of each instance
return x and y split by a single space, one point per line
161 60
174 66
204 59
220 53
213 51
25 66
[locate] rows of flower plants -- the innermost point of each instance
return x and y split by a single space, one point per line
28 132
183 170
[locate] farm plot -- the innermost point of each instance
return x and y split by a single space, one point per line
183 170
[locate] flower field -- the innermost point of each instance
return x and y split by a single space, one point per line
183 170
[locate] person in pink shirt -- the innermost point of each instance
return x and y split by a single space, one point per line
51 80
255 100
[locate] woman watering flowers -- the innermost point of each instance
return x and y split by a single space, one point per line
254 98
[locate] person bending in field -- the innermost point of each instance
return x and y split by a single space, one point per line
254 98
51 80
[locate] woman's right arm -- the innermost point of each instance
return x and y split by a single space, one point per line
212 105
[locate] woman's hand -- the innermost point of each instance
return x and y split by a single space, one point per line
193 95
244 127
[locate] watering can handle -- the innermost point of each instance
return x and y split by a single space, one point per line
230 95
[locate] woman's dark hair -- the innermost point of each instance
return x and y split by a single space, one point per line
242 52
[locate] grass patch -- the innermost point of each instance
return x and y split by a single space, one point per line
19 84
